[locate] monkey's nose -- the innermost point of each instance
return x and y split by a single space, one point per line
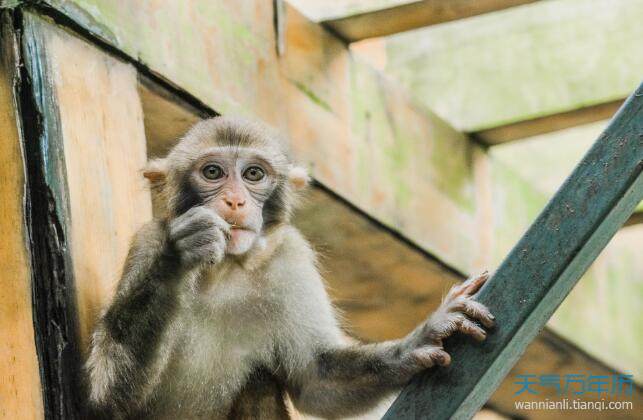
234 202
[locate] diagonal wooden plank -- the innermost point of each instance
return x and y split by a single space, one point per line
597 198
412 15
546 124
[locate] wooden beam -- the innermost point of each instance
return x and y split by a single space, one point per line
48 220
635 219
20 387
85 147
597 198
547 124
412 15
165 116
109 200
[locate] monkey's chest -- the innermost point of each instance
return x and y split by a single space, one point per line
225 340
220 341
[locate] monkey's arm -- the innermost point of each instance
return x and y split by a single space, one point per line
127 335
348 380
126 340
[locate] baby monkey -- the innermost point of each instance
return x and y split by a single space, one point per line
221 311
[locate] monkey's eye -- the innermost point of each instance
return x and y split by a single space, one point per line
212 171
254 174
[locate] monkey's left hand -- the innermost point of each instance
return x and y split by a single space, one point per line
457 313
199 235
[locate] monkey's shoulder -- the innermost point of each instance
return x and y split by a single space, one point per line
292 255
294 245
152 234
294 272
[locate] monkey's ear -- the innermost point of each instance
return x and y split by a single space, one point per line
155 171
298 177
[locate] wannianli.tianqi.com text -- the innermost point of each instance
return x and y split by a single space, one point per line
574 404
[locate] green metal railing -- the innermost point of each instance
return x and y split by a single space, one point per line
596 199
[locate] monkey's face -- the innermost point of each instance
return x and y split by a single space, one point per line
233 167
235 183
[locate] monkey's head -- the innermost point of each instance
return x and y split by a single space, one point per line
237 168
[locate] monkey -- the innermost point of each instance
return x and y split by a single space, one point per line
221 311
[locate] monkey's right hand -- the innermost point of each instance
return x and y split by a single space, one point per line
458 313
199 235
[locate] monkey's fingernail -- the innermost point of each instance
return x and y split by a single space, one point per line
491 317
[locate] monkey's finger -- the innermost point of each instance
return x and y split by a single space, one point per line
471 328
200 239
445 326
431 356
195 212
455 292
468 287
475 310
474 284
194 220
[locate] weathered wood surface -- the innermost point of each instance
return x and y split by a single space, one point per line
20 392
85 146
165 118
306 94
635 219
104 152
522 63
336 111
540 271
48 219
384 287
104 149
412 15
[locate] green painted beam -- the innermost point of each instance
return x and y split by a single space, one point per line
525 175
597 198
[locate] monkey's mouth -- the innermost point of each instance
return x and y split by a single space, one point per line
241 239
234 227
